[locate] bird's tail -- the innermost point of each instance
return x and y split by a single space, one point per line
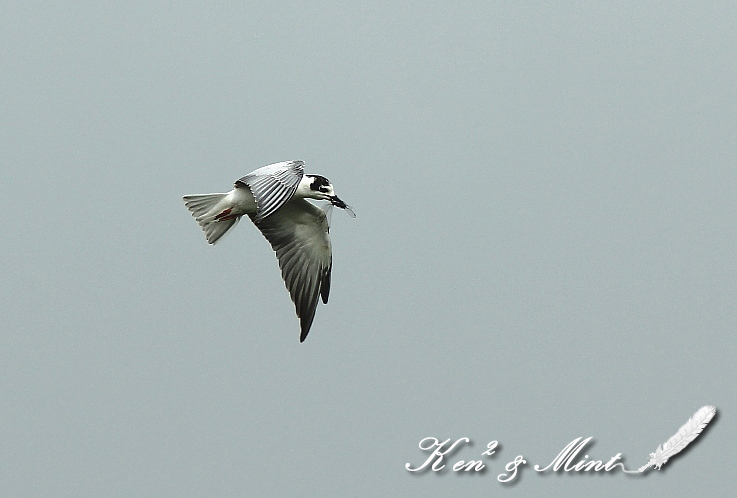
211 212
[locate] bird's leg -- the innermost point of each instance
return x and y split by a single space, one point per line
224 215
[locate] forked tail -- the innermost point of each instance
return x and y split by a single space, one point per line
210 211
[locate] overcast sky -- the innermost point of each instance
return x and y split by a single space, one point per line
544 247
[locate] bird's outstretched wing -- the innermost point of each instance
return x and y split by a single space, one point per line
272 186
298 233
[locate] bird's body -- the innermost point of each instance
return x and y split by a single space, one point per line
274 197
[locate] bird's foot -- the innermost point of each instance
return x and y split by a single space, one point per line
225 215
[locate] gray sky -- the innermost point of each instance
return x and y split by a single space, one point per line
544 247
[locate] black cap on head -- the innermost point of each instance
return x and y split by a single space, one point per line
318 181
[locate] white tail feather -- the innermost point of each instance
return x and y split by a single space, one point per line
205 208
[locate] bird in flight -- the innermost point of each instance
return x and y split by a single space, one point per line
274 197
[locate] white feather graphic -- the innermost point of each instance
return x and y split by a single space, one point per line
680 439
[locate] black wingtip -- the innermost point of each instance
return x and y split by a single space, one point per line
305 321
305 329
325 284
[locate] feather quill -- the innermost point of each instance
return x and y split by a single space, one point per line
680 439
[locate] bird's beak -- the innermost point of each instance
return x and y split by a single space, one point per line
337 202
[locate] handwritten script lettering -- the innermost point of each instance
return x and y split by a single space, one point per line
568 454
428 444
567 460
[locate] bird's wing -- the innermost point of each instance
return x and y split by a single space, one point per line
298 232
272 186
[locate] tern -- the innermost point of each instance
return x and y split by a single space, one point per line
275 198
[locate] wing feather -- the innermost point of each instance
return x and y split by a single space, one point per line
273 186
298 233
325 285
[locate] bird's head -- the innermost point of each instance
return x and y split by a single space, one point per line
321 189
